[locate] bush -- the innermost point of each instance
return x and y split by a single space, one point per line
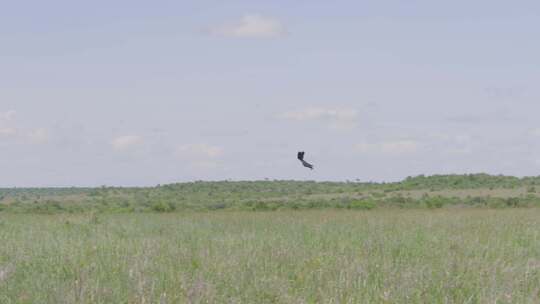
258 206
362 205
496 203
217 206
435 202
512 202
161 206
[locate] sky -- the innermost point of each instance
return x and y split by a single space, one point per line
139 93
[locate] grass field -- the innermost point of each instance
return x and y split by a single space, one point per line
331 256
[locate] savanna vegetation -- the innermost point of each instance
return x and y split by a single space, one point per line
313 256
475 190
438 239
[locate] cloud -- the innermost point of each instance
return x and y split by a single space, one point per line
39 136
534 132
251 26
389 147
8 115
488 117
35 136
502 93
5 132
341 118
126 142
22 135
199 151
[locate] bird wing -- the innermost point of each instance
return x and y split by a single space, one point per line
307 165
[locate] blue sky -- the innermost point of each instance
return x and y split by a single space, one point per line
141 93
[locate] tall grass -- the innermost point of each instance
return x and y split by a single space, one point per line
381 256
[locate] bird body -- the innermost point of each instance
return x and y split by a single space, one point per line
304 163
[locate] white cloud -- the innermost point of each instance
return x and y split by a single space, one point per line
126 142
5 132
534 132
340 118
199 151
8 115
200 156
462 139
38 136
389 147
24 135
251 26
5 129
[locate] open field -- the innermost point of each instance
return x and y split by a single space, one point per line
329 256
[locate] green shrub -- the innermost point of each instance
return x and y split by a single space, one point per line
362 204
260 206
512 202
162 206
496 203
217 206
435 202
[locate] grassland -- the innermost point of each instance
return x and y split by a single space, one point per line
474 190
439 239
320 256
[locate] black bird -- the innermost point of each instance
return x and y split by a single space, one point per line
305 163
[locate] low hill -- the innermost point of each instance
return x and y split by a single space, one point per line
414 192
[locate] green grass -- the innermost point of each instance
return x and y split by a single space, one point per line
380 256
272 195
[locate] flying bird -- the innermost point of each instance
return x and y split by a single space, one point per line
305 163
